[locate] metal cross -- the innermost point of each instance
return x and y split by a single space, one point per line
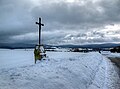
39 24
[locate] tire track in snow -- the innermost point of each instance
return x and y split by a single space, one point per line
97 81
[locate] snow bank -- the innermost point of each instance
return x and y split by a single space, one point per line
62 70
109 54
113 55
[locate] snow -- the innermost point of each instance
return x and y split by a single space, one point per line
109 54
114 55
61 70
15 58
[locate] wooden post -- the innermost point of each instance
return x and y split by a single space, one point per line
39 28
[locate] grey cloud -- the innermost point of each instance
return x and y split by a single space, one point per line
64 16
65 13
54 37
15 19
18 18
111 10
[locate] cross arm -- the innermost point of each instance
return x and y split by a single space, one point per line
42 24
39 24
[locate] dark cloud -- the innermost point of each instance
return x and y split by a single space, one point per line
111 10
15 19
65 13
79 22
74 13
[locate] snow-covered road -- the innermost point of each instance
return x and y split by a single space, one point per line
62 70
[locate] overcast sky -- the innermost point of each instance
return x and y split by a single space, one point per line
66 21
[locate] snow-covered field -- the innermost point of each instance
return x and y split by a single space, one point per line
61 70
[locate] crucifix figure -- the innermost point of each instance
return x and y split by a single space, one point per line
39 24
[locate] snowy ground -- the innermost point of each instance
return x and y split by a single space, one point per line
113 55
62 70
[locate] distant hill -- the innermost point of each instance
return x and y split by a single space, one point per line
16 45
25 46
19 46
107 45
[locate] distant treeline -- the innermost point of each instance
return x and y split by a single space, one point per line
115 49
